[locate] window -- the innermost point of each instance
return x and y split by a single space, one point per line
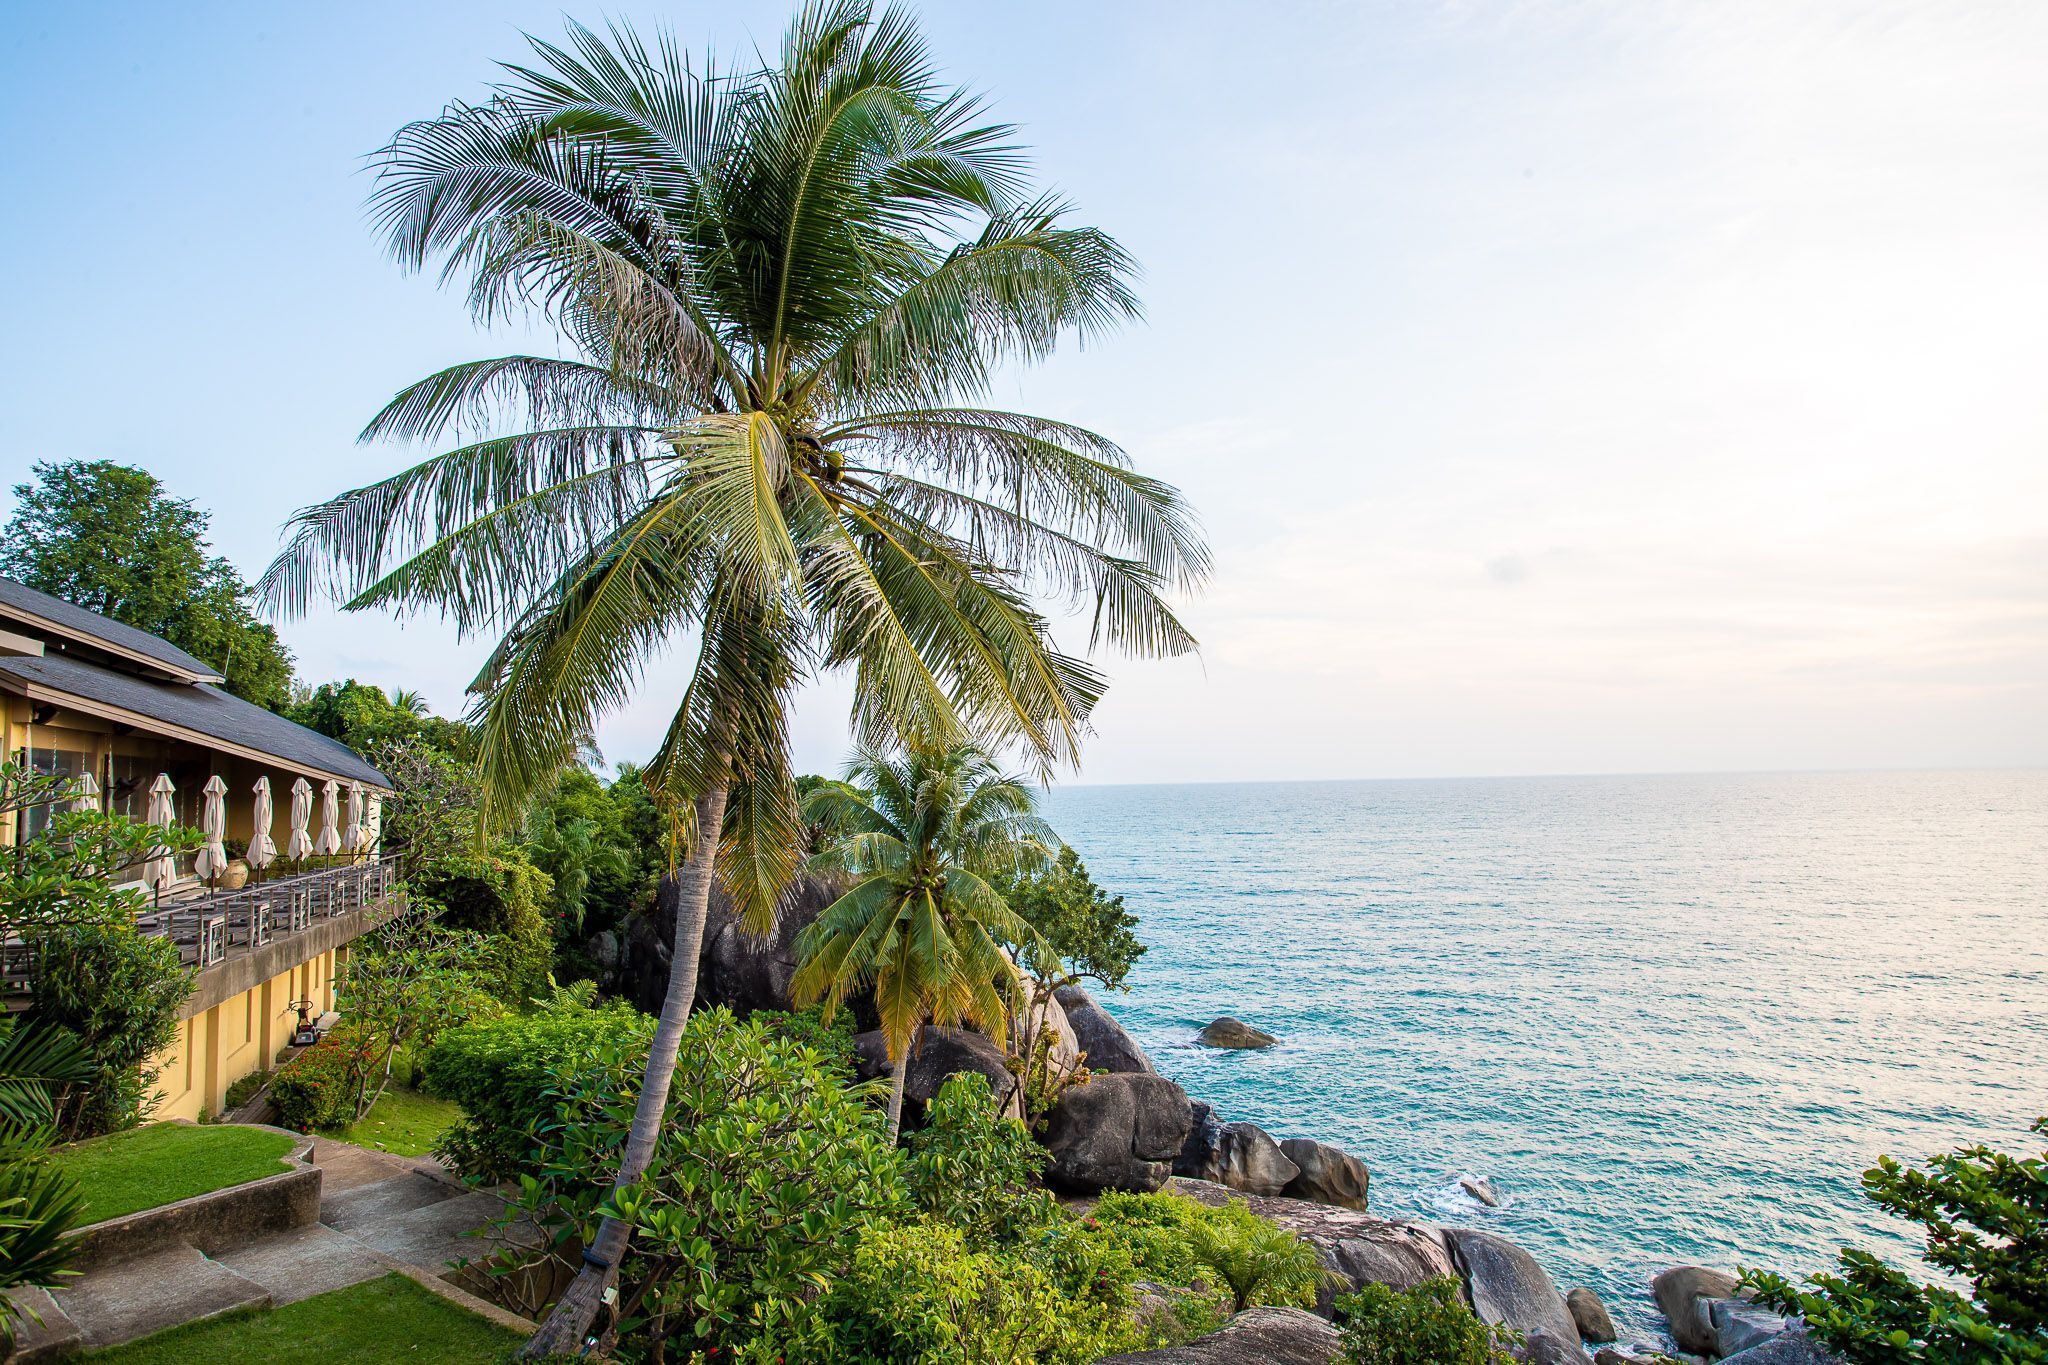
69 763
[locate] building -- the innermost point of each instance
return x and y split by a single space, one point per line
84 696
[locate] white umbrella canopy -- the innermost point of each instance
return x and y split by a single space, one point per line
213 824
352 837
262 848
330 838
85 795
299 843
160 869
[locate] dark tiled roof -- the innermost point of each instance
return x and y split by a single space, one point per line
197 707
56 610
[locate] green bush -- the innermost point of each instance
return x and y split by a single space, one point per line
507 1075
972 1166
1986 1215
1427 1325
766 1173
1177 1241
831 1039
120 993
915 1293
500 895
319 1089
240 1091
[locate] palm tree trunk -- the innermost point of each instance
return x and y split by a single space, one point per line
569 1324
896 1097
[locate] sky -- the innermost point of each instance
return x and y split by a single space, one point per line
1603 386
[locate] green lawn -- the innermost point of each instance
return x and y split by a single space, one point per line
387 1319
165 1162
404 1122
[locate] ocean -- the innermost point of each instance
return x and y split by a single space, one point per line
1672 1018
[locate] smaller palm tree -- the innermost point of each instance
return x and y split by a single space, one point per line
923 837
1257 1261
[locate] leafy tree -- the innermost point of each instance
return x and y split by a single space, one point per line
1086 926
108 538
973 1166
1986 1215
784 285
577 835
406 984
921 838
1427 1325
365 719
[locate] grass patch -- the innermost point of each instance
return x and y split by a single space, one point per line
403 1122
387 1319
164 1162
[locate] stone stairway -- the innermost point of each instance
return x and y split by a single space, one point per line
378 1214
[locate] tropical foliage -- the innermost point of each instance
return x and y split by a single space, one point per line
1986 1215
1091 935
38 1204
921 838
1427 1325
109 538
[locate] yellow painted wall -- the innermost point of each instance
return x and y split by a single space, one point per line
239 1036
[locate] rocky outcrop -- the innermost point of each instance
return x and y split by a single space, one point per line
1481 1189
1116 1133
745 971
1681 1292
1358 1248
1257 1336
1240 1155
1508 1287
1790 1347
1234 1033
941 1052
1594 1322
1325 1175
1099 1035
1739 1325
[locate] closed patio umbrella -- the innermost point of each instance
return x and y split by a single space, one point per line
352 837
329 840
213 824
85 795
262 848
160 869
299 843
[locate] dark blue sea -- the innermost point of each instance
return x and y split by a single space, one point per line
1672 1018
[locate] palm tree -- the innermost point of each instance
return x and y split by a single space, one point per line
924 838
784 286
410 700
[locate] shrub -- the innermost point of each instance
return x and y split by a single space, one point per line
1178 1241
240 1091
319 1089
1427 1325
916 1293
766 1173
831 1039
499 895
972 1166
1986 1215
120 993
507 1073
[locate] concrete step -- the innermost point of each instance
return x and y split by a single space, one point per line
431 1235
132 1299
358 1205
304 1262
56 1337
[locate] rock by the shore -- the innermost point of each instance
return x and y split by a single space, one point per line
1740 1325
1481 1189
1108 1046
1257 1336
1240 1155
1328 1175
1117 1133
1790 1347
1507 1286
1594 1322
1227 1032
1680 1292
941 1053
1359 1248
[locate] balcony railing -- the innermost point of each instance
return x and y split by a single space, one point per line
212 929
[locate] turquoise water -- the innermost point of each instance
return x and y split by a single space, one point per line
1673 1018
